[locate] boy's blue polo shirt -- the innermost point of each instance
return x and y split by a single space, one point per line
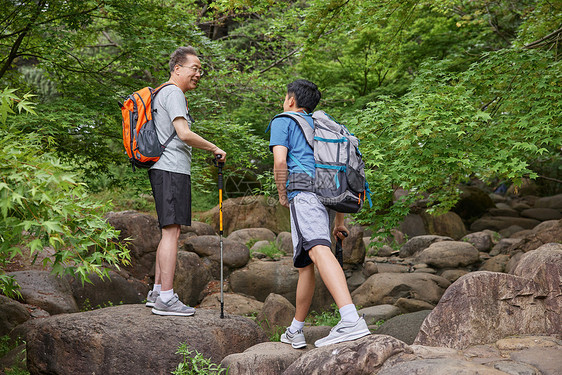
286 132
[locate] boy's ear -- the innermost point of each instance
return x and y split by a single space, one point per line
292 101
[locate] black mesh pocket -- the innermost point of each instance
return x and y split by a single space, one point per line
355 180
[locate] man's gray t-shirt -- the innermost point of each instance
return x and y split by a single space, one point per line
170 103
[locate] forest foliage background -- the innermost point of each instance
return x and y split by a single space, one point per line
438 92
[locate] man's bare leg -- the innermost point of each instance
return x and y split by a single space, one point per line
166 256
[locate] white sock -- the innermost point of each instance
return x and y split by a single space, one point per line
166 295
157 288
349 314
296 326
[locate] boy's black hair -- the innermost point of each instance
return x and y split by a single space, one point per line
306 94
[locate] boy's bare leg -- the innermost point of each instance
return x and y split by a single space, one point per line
305 291
331 273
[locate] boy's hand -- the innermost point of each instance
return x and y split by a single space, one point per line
339 230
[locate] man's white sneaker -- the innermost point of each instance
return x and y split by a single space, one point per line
296 339
151 298
172 307
345 332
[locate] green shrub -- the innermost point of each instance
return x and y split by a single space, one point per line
44 204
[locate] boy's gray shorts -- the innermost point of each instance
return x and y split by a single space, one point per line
310 226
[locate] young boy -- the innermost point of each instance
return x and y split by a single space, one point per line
310 224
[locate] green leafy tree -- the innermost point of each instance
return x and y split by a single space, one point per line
43 206
489 122
97 52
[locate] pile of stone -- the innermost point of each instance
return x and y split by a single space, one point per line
458 292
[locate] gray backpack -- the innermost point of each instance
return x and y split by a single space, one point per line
339 176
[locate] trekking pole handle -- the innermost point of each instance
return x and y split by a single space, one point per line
344 234
339 250
219 164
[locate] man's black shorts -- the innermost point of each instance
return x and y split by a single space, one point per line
172 195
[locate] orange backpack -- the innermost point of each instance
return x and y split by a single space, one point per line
139 131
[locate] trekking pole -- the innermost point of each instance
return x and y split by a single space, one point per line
220 186
339 249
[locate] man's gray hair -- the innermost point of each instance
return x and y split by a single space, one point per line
180 55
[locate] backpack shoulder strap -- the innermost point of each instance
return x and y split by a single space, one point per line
157 90
307 129
174 133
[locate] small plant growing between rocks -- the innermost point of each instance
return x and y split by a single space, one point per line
87 305
270 251
18 368
251 243
330 317
194 363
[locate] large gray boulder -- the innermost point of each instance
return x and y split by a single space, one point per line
497 223
554 201
277 314
482 307
115 290
504 245
542 214
413 226
544 267
49 292
12 314
249 212
235 254
129 339
284 243
353 247
260 278
546 232
199 229
145 234
247 234
268 358
373 314
191 277
495 264
480 240
363 356
419 243
449 224
387 288
235 304
449 254
404 327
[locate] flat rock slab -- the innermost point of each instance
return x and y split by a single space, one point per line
268 358
547 360
129 339
363 356
439 366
